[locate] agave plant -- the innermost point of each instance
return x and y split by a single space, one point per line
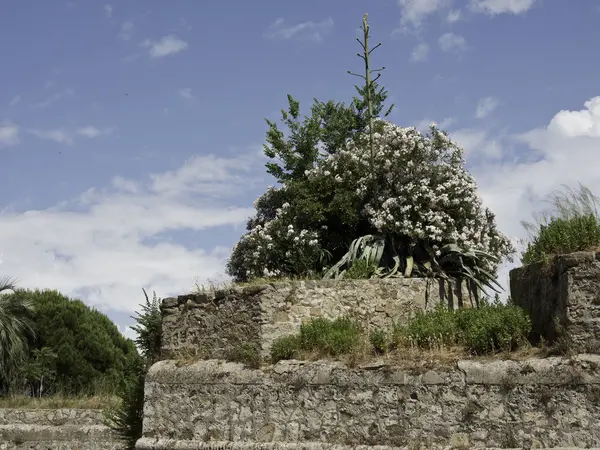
453 263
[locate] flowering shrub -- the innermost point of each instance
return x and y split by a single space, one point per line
413 189
418 189
274 245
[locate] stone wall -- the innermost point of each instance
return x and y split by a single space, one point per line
565 292
56 429
212 325
553 402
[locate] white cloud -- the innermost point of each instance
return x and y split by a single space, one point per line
167 45
423 125
93 132
108 10
495 7
126 30
59 136
454 16
420 53
514 185
62 136
186 93
9 134
486 106
414 12
53 98
310 31
15 100
105 244
450 42
477 143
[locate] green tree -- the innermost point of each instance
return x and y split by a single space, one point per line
15 329
91 353
40 370
127 419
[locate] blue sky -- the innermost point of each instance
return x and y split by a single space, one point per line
131 132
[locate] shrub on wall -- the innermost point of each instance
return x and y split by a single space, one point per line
572 223
409 191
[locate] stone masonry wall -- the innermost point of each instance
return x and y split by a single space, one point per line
56 429
210 326
565 292
537 403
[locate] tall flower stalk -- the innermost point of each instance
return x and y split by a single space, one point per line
369 83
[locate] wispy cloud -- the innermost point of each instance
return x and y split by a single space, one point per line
423 125
486 106
495 7
15 100
59 136
450 42
9 134
186 93
126 30
110 263
93 132
62 136
53 98
307 31
414 12
454 16
108 10
167 45
420 53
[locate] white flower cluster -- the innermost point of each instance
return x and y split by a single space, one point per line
275 241
415 186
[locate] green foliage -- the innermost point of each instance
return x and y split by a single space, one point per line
562 236
247 354
334 213
572 223
15 329
126 419
484 330
360 269
323 336
79 350
285 348
379 340
149 328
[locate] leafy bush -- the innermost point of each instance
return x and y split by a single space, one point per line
75 350
410 189
247 354
379 340
428 329
323 336
488 329
572 223
561 236
285 348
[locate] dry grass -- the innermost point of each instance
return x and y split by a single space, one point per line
210 286
58 402
404 354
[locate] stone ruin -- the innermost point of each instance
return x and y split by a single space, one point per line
494 403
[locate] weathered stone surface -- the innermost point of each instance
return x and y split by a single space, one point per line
537 403
35 429
565 292
210 326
